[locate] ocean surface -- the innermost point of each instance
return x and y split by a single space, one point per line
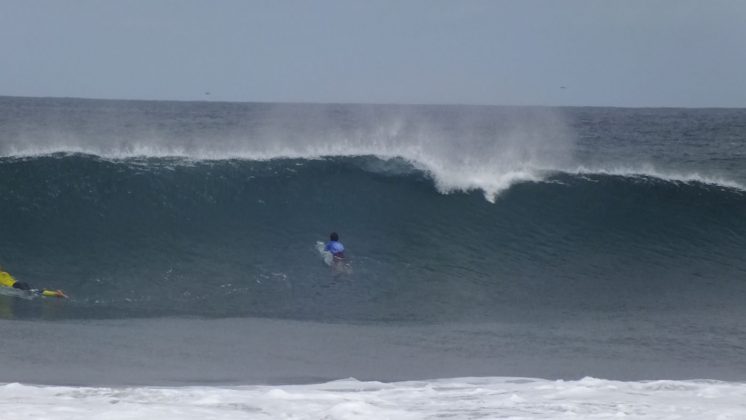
502 262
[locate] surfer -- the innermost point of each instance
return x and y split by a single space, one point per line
335 247
9 281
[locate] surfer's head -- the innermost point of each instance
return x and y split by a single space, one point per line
334 236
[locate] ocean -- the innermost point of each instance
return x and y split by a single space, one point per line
502 262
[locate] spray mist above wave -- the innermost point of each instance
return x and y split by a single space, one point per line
461 148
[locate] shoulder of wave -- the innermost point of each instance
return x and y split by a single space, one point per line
662 175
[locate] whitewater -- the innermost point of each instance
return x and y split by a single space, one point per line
507 262
508 398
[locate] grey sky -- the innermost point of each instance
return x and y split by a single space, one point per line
517 52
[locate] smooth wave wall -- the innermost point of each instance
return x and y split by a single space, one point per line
235 237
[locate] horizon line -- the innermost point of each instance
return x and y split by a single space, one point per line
352 103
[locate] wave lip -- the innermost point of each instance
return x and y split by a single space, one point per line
492 177
457 175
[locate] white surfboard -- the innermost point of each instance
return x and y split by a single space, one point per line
326 256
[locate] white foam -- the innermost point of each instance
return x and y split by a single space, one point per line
510 398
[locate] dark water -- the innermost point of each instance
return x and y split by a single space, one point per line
532 233
235 238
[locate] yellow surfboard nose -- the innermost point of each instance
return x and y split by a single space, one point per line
54 293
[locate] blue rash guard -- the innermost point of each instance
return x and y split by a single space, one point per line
336 248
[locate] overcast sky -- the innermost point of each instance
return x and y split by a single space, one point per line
513 52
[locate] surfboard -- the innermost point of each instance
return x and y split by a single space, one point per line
54 293
326 256
33 293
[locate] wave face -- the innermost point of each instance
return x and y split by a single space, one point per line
142 209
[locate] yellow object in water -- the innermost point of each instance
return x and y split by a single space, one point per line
53 293
6 279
